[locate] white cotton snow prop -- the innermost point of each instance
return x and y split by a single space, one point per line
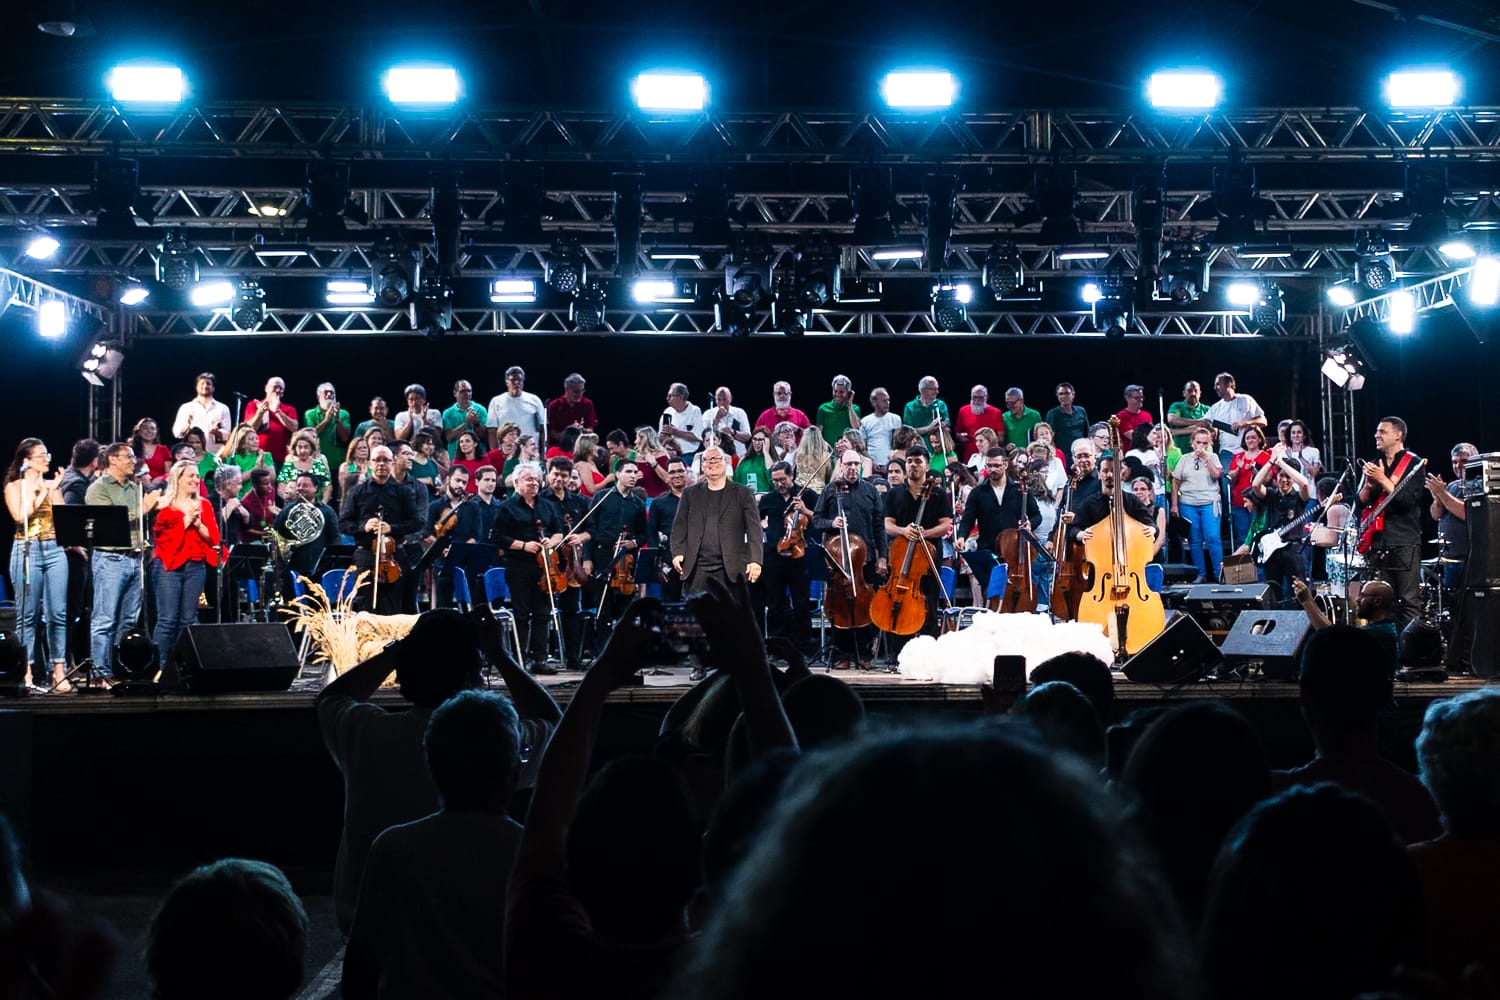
968 657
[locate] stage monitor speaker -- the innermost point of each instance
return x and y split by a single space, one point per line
217 659
1216 605
1181 653
1483 516
1482 609
1274 638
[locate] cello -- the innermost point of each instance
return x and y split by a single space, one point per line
1067 581
900 607
1115 557
849 594
1012 548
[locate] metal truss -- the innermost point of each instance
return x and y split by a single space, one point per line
1433 293
318 129
23 290
695 321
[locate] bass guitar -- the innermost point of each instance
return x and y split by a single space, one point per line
1273 540
1372 521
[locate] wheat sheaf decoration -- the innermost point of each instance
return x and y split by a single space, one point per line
339 636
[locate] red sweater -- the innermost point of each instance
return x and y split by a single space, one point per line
177 545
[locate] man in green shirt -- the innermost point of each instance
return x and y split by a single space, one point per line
926 411
330 423
1019 418
840 413
463 415
117 571
1192 412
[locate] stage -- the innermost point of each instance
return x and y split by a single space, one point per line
97 782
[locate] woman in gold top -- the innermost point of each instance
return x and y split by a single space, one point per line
38 565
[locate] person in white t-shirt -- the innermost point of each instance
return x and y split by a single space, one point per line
516 406
727 418
877 427
682 421
205 413
1229 417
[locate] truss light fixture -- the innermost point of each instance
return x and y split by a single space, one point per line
629 198
522 206
1184 274
422 86
813 282
1457 250
747 284
1264 251
1422 88
650 290
133 293
1244 294
1343 368
1402 317
1374 266
662 90
42 247
395 271
950 304
1184 90
566 268
872 200
143 84
1082 253
266 210
431 309
101 362
1237 202
1343 294
212 293
1091 293
52 319
862 291
1484 283
1269 310
886 255
1113 313
349 292
1003 272
177 261
941 191
586 312
919 90
667 253
514 291
249 306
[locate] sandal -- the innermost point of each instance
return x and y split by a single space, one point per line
62 686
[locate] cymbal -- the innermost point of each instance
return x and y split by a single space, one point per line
1442 561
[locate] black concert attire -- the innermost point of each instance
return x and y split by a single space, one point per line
1088 486
402 517
304 560
864 511
517 522
995 512
570 509
437 510
1097 507
410 544
1396 554
74 487
1286 562
660 514
901 507
236 567
1455 531
473 525
617 513
782 575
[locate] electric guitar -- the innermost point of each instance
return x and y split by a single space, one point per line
1272 540
1372 521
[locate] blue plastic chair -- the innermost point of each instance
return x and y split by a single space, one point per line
252 591
461 595
948 575
496 589
999 577
1155 577
338 584
4 594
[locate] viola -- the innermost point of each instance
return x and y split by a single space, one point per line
793 543
1116 555
900 606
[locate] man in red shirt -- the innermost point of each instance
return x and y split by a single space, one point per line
979 413
1133 415
782 409
571 409
272 419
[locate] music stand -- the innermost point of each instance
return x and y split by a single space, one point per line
85 527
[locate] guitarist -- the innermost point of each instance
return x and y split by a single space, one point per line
901 507
1396 549
1282 505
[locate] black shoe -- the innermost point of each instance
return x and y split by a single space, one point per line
540 668
697 674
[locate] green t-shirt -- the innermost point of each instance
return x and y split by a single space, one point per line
1185 440
752 472
833 420
1018 429
919 414
453 418
328 437
247 462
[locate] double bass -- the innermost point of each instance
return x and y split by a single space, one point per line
900 607
1068 582
1116 554
849 593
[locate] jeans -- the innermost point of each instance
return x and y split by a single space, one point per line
1239 524
1041 581
45 589
1203 519
177 593
117 605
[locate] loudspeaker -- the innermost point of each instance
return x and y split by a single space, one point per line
1216 605
1274 638
216 659
1482 609
1483 516
1181 653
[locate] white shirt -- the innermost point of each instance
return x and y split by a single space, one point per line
213 420
1242 407
877 431
1308 456
691 420
525 411
738 420
431 420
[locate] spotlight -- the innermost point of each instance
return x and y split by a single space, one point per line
147 84
1244 294
212 293
1113 308
447 219
135 664
890 254
431 309
177 264
1269 310
1484 283
52 319
42 247
133 293
326 202
1426 198
663 91
942 205
432 86
814 281
650 290
587 309
1374 267
513 290
1457 250
395 270
1184 89
349 292
747 284
708 210
1343 368
950 304
566 268
1342 294
916 90
1403 312
1091 293
1082 253
250 306
101 362
1422 89
116 198
1003 271
1184 274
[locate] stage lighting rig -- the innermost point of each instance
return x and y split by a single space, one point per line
566 267
177 260
1237 203
431 309
101 362
1343 368
395 270
747 285
586 312
1184 274
249 306
950 304
1374 266
1269 310
1113 301
813 282
1055 192
326 202
1003 272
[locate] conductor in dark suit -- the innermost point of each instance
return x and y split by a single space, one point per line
717 529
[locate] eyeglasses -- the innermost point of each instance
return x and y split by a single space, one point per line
713 461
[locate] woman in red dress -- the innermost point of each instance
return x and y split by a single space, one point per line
187 543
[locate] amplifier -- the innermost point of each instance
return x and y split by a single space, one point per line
1216 605
1482 475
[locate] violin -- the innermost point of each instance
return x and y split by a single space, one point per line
570 557
1068 580
622 577
1116 555
793 543
447 520
849 594
900 606
386 570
